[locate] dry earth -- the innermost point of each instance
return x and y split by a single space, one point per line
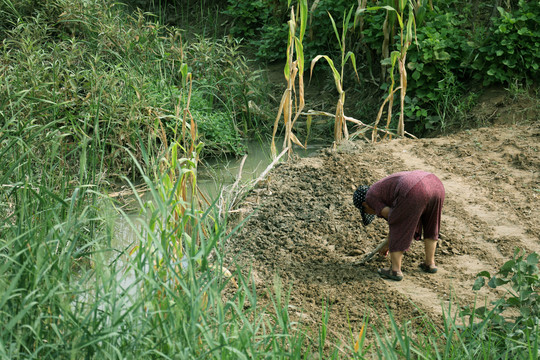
305 227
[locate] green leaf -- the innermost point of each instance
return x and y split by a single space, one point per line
350 55
336 31
526 294
492 282
479 283
303 19
337 76
386 61
533 258
485 274
184 71
402 4
513 301
525 311
507 267
299 54
442 55
481 311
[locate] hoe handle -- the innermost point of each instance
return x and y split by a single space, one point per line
369 256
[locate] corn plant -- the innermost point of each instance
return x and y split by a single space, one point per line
174 229
293 67
340 126
407 27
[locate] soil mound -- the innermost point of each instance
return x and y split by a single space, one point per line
305 227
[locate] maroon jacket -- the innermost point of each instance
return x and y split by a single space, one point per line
415 199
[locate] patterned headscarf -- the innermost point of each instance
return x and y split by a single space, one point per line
358 198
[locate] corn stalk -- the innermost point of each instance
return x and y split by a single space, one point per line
396 57
175 213
294 67
340 125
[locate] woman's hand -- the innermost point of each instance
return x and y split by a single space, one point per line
385 248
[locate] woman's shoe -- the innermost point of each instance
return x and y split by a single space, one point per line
390 274
432 269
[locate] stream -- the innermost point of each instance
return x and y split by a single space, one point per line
212 177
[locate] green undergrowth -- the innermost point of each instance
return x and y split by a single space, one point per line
99 76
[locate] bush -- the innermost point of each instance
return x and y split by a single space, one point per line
229 83
437 66
263 24
216 129
511 334
523 276
512 51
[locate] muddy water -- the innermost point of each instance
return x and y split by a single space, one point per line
215 174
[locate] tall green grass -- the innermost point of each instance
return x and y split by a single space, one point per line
102 75
65 293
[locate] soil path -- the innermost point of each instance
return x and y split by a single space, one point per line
305 228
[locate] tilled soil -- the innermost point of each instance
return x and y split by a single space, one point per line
305 228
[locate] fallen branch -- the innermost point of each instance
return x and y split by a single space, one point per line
269 167
235 195
222 200
239 176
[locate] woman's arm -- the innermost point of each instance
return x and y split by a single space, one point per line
385 212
